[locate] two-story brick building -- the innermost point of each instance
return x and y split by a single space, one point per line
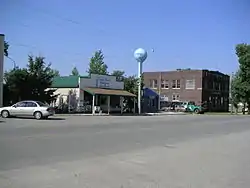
200 86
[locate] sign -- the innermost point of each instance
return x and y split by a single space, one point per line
163 98
103 82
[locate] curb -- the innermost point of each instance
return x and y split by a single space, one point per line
145 114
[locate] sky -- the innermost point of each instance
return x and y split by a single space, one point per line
197 34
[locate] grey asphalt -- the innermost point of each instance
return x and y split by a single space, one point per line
150 151
28 142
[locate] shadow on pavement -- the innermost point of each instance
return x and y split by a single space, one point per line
50 118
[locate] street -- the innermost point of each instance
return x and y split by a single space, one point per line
111 151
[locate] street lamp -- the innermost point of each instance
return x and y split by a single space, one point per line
13 61
140 56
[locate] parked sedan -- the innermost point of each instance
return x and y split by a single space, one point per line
36 109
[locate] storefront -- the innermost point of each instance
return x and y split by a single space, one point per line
100 93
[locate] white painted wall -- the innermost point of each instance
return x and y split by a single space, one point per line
101 81
64 92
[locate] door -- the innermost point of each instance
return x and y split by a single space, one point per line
29 108
18 109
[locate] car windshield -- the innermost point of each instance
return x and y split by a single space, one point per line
41 104
191 103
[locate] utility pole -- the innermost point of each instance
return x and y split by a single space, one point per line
1 67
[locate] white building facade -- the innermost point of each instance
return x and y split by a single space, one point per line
76 91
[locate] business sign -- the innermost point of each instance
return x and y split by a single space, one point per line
103 82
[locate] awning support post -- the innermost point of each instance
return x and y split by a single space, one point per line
93 105
108 104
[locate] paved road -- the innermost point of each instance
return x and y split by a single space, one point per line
27 144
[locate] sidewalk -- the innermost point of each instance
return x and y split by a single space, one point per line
126 114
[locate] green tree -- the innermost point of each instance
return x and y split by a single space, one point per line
75 72
16 85
97 65
6 48
243 80
55 72
118 74
131 84
30 83
235 97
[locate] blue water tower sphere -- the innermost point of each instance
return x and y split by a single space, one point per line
140 55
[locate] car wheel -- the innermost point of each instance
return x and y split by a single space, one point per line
196 110
38 115
5 114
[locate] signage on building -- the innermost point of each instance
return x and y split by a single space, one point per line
103 82
163 98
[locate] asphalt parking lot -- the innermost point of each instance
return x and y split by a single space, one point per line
28 143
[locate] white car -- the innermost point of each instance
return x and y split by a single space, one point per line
36 109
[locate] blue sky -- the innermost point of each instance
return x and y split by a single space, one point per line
184 34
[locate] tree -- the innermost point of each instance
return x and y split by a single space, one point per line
118 74
131 84
243 83
236 97
30 83
6 48
97 65
56 73
75 72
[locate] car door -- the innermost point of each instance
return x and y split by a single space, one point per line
30 108
18 109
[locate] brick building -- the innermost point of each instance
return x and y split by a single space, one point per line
200 86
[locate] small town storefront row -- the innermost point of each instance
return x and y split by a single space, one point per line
106 100
102 93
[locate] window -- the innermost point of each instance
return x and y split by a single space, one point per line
31 104
41 104
20 104
176 84
164 84
153 84
175 97
190 84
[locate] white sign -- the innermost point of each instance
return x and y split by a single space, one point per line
163 98
103 82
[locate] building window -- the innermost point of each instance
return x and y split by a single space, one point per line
176 84
164 84
175 97
153 84
190 84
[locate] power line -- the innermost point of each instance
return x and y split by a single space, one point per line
62 18
35 47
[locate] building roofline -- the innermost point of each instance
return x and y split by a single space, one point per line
187 70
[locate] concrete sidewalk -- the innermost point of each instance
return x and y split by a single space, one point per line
127 114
